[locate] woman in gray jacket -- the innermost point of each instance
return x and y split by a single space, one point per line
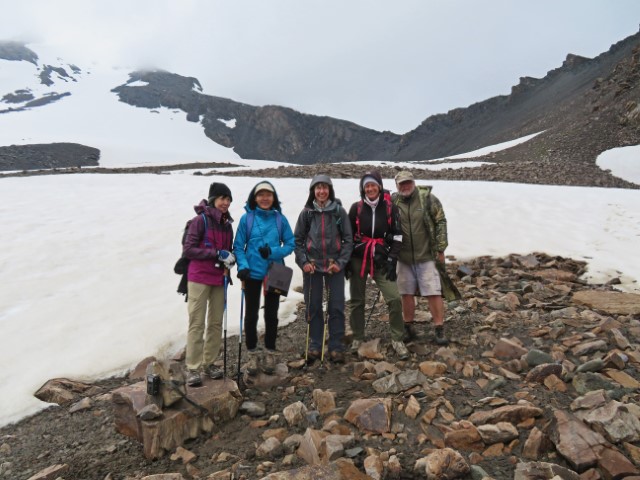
324 242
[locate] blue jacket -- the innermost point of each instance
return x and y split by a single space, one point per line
263 232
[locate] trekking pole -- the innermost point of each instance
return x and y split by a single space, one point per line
224 358
240 336
306 352
326 314
373 307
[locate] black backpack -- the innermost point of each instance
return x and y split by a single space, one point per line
182 265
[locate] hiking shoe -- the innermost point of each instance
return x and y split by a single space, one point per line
213 371
193 378
269 362
440 338
355 345
410 332
312 356
400 348
336 357
252 365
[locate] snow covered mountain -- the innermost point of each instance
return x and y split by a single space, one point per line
584 107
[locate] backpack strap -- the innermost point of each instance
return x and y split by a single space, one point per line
358 212
387 199
249 224
207 243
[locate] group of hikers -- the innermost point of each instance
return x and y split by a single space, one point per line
398 240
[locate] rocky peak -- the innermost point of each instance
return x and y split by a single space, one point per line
16 51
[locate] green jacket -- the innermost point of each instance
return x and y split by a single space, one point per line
427 239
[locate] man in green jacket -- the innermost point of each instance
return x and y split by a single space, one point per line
424 240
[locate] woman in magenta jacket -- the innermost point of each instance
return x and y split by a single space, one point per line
207 245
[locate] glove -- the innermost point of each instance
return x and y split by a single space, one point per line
244 274
380 259
392 275
347 271
265 251
226 257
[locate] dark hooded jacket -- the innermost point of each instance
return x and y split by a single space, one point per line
324 234
381 222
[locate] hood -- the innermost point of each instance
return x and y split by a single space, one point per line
320 178
378 178
251 199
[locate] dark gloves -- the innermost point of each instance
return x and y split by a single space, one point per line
380 259
347 271
265 251
244 274
392 276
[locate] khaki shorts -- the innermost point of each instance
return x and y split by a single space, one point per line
420 279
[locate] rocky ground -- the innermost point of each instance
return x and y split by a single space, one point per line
501 168
542 369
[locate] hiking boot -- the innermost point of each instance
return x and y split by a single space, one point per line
193 378
269 362
410 332
336 357
213 371
440 338
252 365
312 356
400 348
355 345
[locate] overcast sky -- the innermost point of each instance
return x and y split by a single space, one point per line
383 64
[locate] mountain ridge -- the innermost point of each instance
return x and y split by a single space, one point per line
580 109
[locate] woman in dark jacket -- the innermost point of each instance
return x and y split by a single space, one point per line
323 247
263 237
375 221
207 244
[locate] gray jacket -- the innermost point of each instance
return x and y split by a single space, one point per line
322 235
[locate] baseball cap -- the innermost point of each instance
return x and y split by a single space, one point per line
404 176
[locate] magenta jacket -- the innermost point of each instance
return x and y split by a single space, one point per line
204 267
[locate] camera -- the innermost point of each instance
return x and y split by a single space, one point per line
153 384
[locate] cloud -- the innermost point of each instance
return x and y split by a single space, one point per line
382 64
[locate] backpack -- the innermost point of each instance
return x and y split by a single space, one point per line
182 265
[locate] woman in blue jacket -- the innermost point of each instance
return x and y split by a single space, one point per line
262 238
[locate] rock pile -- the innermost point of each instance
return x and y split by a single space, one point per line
540 381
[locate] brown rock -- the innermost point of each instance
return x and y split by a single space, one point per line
309 449
432 369
539 373
609 302
576 442
508 413
371 414
179 422
622 378
50 473
341 469
615 465
509 349
466 437
445 463
61 391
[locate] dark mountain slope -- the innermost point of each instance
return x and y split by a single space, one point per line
556 102
272 132
578 106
